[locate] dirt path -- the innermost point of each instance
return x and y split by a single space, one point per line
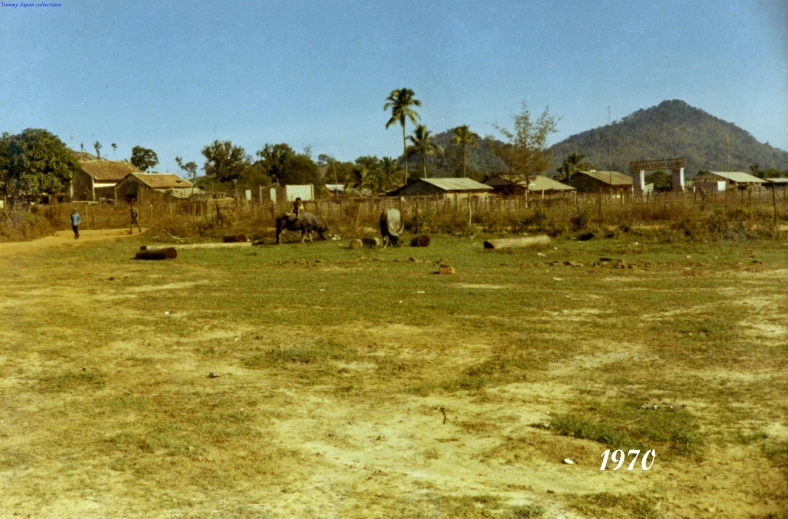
60 239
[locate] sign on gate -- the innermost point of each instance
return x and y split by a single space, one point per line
646 165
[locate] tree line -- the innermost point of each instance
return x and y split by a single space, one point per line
37 162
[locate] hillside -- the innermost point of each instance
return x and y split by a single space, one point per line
672 129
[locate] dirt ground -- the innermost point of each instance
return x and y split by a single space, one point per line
361 384
61 239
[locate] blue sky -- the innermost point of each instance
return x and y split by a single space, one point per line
174 76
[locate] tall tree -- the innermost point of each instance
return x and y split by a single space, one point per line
401 102
97 146
571 165
35 162
285 166
387 174
143 158
360 179
422 141
329 163
190 167
463 136
224 162
114 149
526 151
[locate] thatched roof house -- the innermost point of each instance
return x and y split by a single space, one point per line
97 179
137 186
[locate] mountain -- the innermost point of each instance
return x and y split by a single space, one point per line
668 130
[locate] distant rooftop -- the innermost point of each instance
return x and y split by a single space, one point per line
162 180
107 171
538 182
613 178
457 184
737 176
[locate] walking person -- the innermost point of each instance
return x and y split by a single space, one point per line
75 221
134 216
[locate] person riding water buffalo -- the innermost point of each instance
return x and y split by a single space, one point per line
298 208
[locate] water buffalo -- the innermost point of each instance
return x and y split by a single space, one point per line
306 223
391 226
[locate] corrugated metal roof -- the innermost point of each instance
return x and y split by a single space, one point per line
737 176
776 180
618 179
457 184
538 182
542 183
162 180
107 171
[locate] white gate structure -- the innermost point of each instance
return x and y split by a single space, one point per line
638 170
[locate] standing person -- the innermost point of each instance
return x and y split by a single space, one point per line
75 221
134 216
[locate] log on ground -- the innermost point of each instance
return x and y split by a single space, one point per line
157 254
371 243
517 243
210 245
420 241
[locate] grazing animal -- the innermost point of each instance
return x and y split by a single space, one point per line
391 227
306 223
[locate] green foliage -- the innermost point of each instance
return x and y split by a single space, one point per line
526 152
423 143
572 163
143 158
626 426
285 166
224 162
661 181
33 163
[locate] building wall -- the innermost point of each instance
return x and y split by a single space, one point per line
420 188
104 192
586 184
83 186
130 189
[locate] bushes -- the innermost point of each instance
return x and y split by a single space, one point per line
20 224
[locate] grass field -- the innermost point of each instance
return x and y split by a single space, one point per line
358 383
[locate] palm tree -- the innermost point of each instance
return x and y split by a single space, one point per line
422 142
571 165
400 101
388 168
463 136
114 149
360 179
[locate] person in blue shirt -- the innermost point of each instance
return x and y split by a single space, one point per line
75 221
